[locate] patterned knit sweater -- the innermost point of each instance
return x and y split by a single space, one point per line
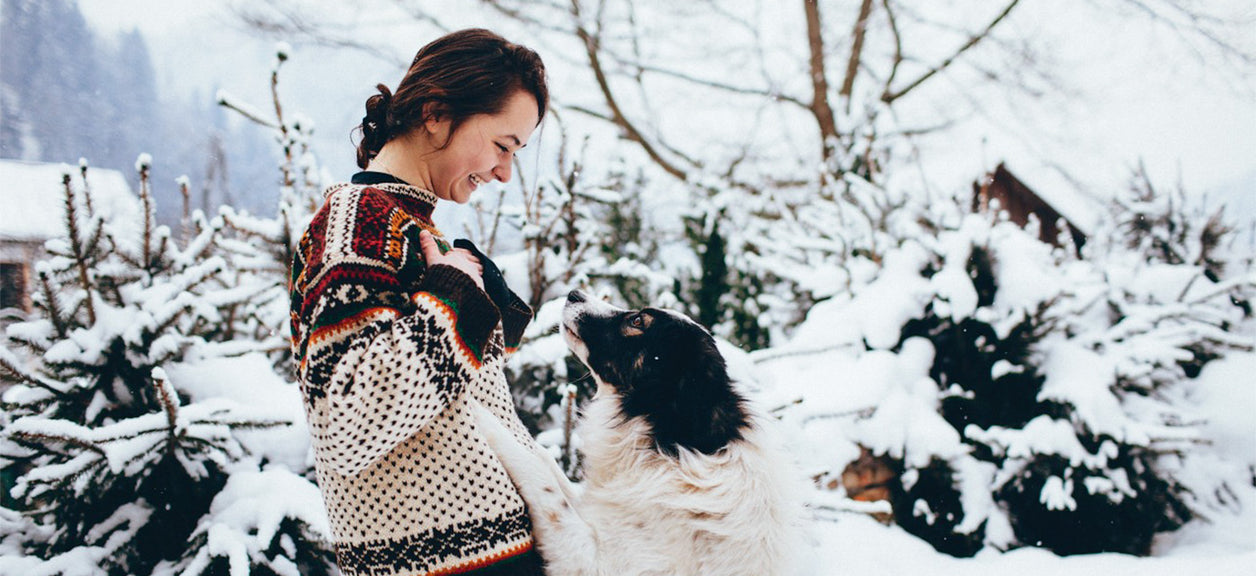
391 352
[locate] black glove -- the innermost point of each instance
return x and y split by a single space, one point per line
494 283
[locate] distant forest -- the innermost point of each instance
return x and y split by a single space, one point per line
68 93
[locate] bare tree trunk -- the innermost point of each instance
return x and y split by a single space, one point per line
856 53
819 82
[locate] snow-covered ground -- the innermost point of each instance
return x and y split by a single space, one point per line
855 544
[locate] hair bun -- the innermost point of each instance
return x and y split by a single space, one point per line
376 130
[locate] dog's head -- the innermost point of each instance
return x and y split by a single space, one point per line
663 366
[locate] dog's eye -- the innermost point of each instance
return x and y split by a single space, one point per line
636 321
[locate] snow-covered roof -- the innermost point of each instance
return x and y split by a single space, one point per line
33 199
1082 211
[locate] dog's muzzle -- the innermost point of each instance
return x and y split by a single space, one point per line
573 311
579 307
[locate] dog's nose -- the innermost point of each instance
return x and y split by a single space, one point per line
576 296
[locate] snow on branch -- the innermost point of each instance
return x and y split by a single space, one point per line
227 100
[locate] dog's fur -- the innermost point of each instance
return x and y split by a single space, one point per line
681 476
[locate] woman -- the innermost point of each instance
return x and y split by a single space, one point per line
397 335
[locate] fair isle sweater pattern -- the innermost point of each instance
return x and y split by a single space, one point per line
390 355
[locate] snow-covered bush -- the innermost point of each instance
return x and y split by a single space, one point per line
1025 397
579 231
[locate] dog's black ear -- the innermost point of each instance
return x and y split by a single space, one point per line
698 408
707 387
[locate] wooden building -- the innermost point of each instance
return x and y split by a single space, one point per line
33 198
1063 220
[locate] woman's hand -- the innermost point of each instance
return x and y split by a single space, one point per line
459 258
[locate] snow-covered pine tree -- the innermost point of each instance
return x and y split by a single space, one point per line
269 517
726 294
629 244
1166 227
787 245
117 463
262 249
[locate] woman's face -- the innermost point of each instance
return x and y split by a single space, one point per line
481 149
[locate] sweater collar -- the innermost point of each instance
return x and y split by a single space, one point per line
417 201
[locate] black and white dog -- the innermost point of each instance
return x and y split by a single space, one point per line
681 475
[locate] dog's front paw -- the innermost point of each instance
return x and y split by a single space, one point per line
526 467
498 437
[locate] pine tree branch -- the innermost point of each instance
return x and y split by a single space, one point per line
97 234
53 304
858 413
76 246
42 438
87 188
146 204
168 398
10 371
185 222
285 136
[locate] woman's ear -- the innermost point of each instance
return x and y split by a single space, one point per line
438 128
434 117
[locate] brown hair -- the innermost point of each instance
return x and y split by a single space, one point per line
456 76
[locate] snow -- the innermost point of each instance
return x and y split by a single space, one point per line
250 381
1080 377
1227 393
855 544
898 294
34 198
836 382
246 514
1023 268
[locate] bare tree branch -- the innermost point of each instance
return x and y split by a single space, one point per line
524 17
898 45
592 50
1197 24
890 97
420 14
718 85
290 25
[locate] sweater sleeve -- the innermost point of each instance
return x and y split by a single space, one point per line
389 342
515 318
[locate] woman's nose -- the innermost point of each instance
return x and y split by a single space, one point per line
502 171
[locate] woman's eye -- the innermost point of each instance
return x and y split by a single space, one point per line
503 148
